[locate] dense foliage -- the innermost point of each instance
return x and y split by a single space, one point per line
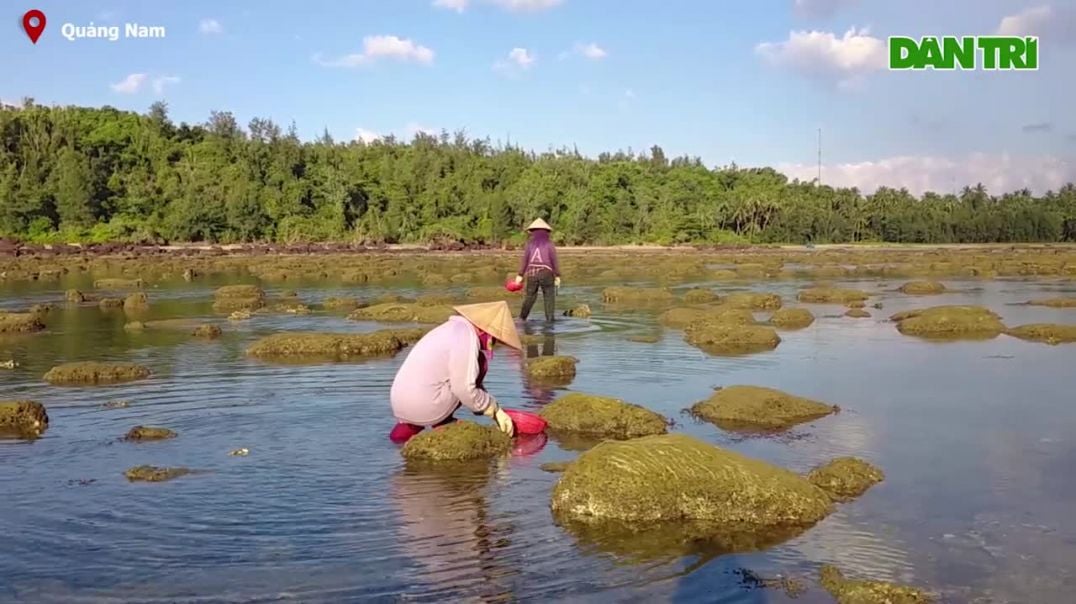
87 174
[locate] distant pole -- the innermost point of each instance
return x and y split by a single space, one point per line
820 157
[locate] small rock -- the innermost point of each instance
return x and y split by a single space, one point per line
241 452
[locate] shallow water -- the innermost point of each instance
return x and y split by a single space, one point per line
976 439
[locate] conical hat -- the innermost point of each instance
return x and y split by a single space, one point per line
494 318
539 224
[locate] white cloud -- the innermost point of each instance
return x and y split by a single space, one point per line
999 173
366 136
457 5
591 51
414 128
130 84
519 59
819 9
210 26
517 6
382 47
1043 21
823 54
160 82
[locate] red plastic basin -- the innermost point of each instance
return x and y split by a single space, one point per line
526 423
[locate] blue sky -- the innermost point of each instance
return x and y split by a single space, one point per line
726 80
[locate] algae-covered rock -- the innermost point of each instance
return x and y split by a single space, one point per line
1054 302
791 318
700 296
831 295
110 303
20 322
238 297
675 478
753 301
554 467
489 293
154 473
335 346
118 284
857 313
210 332
856 304
239 315
395 312
95 372
645 338
1050 333
581 311
434 279
551 367
717 337
923 288
601 415
434 300
342 304
723 274
23 419
682 316
74 296
850 591
845 478
757 407
950 322
136 302
41 310
636 295
458 441
144 433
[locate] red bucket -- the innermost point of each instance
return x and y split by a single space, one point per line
512 286
526 423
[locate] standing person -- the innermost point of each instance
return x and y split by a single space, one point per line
541 269
445 370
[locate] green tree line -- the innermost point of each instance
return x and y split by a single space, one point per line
72 174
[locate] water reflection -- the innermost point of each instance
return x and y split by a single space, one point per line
538 342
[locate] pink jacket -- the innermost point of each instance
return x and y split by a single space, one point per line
440 372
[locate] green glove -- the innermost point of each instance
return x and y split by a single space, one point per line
503 421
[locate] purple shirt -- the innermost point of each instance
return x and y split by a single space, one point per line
440 372
539 253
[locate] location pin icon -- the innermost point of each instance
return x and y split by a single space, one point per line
34 23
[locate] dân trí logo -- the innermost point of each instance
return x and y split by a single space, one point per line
964 52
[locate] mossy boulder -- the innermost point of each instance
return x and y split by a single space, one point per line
791 318
154 473
554 467
1049 333
403 312
831 295
857 313
636 295
758 408
923 288
458 441
348 304
136 302
678 479
551 367
601 415
700 296
950 322
146 433
110 303
74 296
433 279
753 300
645 338
723 274
851 591
118 284
579 311
334 346
208 331
682 316
23 419
20 322
845 478
723 338
434 300
1055 302
95 372
489 293
238 297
